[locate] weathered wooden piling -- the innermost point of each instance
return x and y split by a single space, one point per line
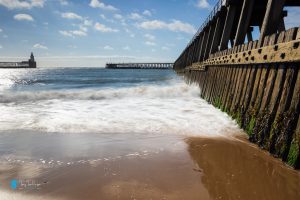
256 82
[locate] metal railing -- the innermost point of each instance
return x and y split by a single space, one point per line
212 14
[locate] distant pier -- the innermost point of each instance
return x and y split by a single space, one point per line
23 64
139 65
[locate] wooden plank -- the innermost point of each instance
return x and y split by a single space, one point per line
298 34
217 81
231 12
222 86
227 84
209 40
241 89
230 88
272 18
217 34
250 91
246 85
244 21
235 91
291 119
202 45
284 104
290 34
276 53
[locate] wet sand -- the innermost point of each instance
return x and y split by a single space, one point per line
148 167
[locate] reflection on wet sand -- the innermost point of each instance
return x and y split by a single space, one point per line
237 170
177 168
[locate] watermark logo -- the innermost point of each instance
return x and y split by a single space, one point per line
13 184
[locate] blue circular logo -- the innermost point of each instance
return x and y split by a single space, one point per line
13 184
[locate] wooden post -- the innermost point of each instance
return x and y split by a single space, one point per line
209 40
231 11
244 22
249 34
202 45
217 34
281 26
198 46
272 18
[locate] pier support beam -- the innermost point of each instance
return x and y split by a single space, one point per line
272 18
231 11
204 38
249 34
209 40
217 34
244 22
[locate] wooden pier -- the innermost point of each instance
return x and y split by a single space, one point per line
256 82
139 65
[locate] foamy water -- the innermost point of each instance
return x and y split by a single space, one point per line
150 102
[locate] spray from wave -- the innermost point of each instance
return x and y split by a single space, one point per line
173 108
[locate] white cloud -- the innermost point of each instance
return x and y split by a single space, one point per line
73 33
63 2
83 28
71 15
150 43
202 4
103 16
175 25
66 33
118 16
87 22
78 33
135 16
17 4
1 30
149 36
104 29
98 4
39 46
107 47
72 46
165 48
23 17
131 34
126 48
147 13
1 47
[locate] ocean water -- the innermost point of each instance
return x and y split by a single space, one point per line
106 101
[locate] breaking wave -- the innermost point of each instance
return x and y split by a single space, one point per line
166 106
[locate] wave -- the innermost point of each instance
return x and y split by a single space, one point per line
149 109
149 91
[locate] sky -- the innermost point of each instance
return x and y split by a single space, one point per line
90 33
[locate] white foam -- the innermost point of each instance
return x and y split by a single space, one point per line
149 109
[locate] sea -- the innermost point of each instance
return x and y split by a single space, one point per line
68 115
105 101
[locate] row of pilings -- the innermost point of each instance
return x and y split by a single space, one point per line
264 99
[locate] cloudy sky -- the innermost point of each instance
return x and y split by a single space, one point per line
79 33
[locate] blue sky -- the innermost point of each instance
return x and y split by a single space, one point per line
79 33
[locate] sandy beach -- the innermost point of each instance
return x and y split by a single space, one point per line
156 167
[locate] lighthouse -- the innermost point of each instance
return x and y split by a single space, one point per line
31 61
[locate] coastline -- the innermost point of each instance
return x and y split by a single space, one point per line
172 167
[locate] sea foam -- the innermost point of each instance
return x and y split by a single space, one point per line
172 108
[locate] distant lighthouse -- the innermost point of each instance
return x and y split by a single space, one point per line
31 61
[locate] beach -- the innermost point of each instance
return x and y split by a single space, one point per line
102 134
170 168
